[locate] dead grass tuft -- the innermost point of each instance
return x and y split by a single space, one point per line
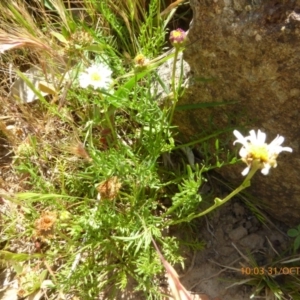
45 224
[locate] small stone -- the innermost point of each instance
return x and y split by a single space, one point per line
238 233
219 234
238 209
225 250
253 241
248 225
258 38
228 228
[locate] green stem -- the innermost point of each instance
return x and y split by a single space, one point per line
218 202
110 121
175 95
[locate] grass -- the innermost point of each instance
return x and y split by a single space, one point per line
92 177
277 279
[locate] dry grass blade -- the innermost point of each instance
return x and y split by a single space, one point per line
269 242
290 260
25 31
178 290
20 39
170 7
64 15
244 256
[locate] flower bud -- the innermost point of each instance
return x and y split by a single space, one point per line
178 37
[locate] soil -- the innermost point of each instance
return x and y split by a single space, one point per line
236 243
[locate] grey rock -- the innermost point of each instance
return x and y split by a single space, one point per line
248 52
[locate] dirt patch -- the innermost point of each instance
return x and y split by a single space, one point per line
236 243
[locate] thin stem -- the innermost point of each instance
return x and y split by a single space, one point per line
110 121
175 95
218 202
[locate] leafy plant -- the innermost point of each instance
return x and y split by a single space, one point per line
295 233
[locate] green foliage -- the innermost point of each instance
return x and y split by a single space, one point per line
93 173
295 233
188 198
152 32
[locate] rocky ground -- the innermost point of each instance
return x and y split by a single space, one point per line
236 243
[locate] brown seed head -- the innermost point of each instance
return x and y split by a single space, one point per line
109 188
45 224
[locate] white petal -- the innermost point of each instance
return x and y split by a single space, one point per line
261 137
280 140
255 145
252 137
288 149
243 152
238 135
277 141
83 83
266 169
240 139
246 171
97 76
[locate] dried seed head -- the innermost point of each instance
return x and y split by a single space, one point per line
109 188
79 150
45 224
82 38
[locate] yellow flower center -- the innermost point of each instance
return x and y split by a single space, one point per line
96 77
177 34
259 152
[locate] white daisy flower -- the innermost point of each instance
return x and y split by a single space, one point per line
255 148
97 75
